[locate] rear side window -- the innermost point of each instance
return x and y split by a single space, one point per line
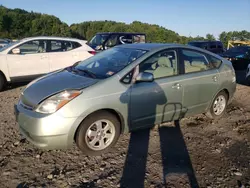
62 46
139 39
125 39
214 61
195 61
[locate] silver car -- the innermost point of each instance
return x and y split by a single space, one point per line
122 89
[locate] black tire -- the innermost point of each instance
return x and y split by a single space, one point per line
248 81
84 126
2 82
210 113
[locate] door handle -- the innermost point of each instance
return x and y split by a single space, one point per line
176 86
215 78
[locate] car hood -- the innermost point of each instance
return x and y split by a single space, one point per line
231 54
53 83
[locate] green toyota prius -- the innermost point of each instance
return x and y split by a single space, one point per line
127 87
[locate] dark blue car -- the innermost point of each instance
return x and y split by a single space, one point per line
239 56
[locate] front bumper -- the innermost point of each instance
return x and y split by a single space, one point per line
46 132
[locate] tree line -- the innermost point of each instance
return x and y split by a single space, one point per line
18 23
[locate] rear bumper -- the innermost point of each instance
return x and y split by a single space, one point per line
46 132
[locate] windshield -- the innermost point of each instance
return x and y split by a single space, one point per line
98 39
198 44
8 46
108 62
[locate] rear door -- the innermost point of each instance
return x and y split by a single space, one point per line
62 54
201 81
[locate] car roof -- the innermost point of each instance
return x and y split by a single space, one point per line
205 41
150 46
159 46
54 38
137 33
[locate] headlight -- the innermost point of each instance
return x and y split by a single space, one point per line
55 102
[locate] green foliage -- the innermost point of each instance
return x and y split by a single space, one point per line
210 37
234 35
18 23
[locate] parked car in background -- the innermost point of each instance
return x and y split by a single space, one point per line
124 88
239 56
103 41
248 75
29 58
4 42
212 46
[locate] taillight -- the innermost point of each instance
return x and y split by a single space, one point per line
92 52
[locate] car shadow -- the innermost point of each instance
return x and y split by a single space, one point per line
177 167
16 85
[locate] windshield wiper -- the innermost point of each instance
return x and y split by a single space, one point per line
88 72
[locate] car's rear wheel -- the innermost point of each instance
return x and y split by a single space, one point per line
218 107
2 82
98 133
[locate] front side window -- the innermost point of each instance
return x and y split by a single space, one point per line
214 61
98 39
108 62
162 64
33 47
195 61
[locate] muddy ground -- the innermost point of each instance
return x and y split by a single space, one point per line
197 152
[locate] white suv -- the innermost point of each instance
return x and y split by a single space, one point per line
248 75
33 57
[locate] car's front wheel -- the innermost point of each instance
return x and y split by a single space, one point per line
2 82
98 133
218 106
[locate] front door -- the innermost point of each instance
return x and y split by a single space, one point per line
30 63
201 81
161 100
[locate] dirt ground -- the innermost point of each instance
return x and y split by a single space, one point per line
196 152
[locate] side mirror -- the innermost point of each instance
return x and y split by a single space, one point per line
144 77
16 51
